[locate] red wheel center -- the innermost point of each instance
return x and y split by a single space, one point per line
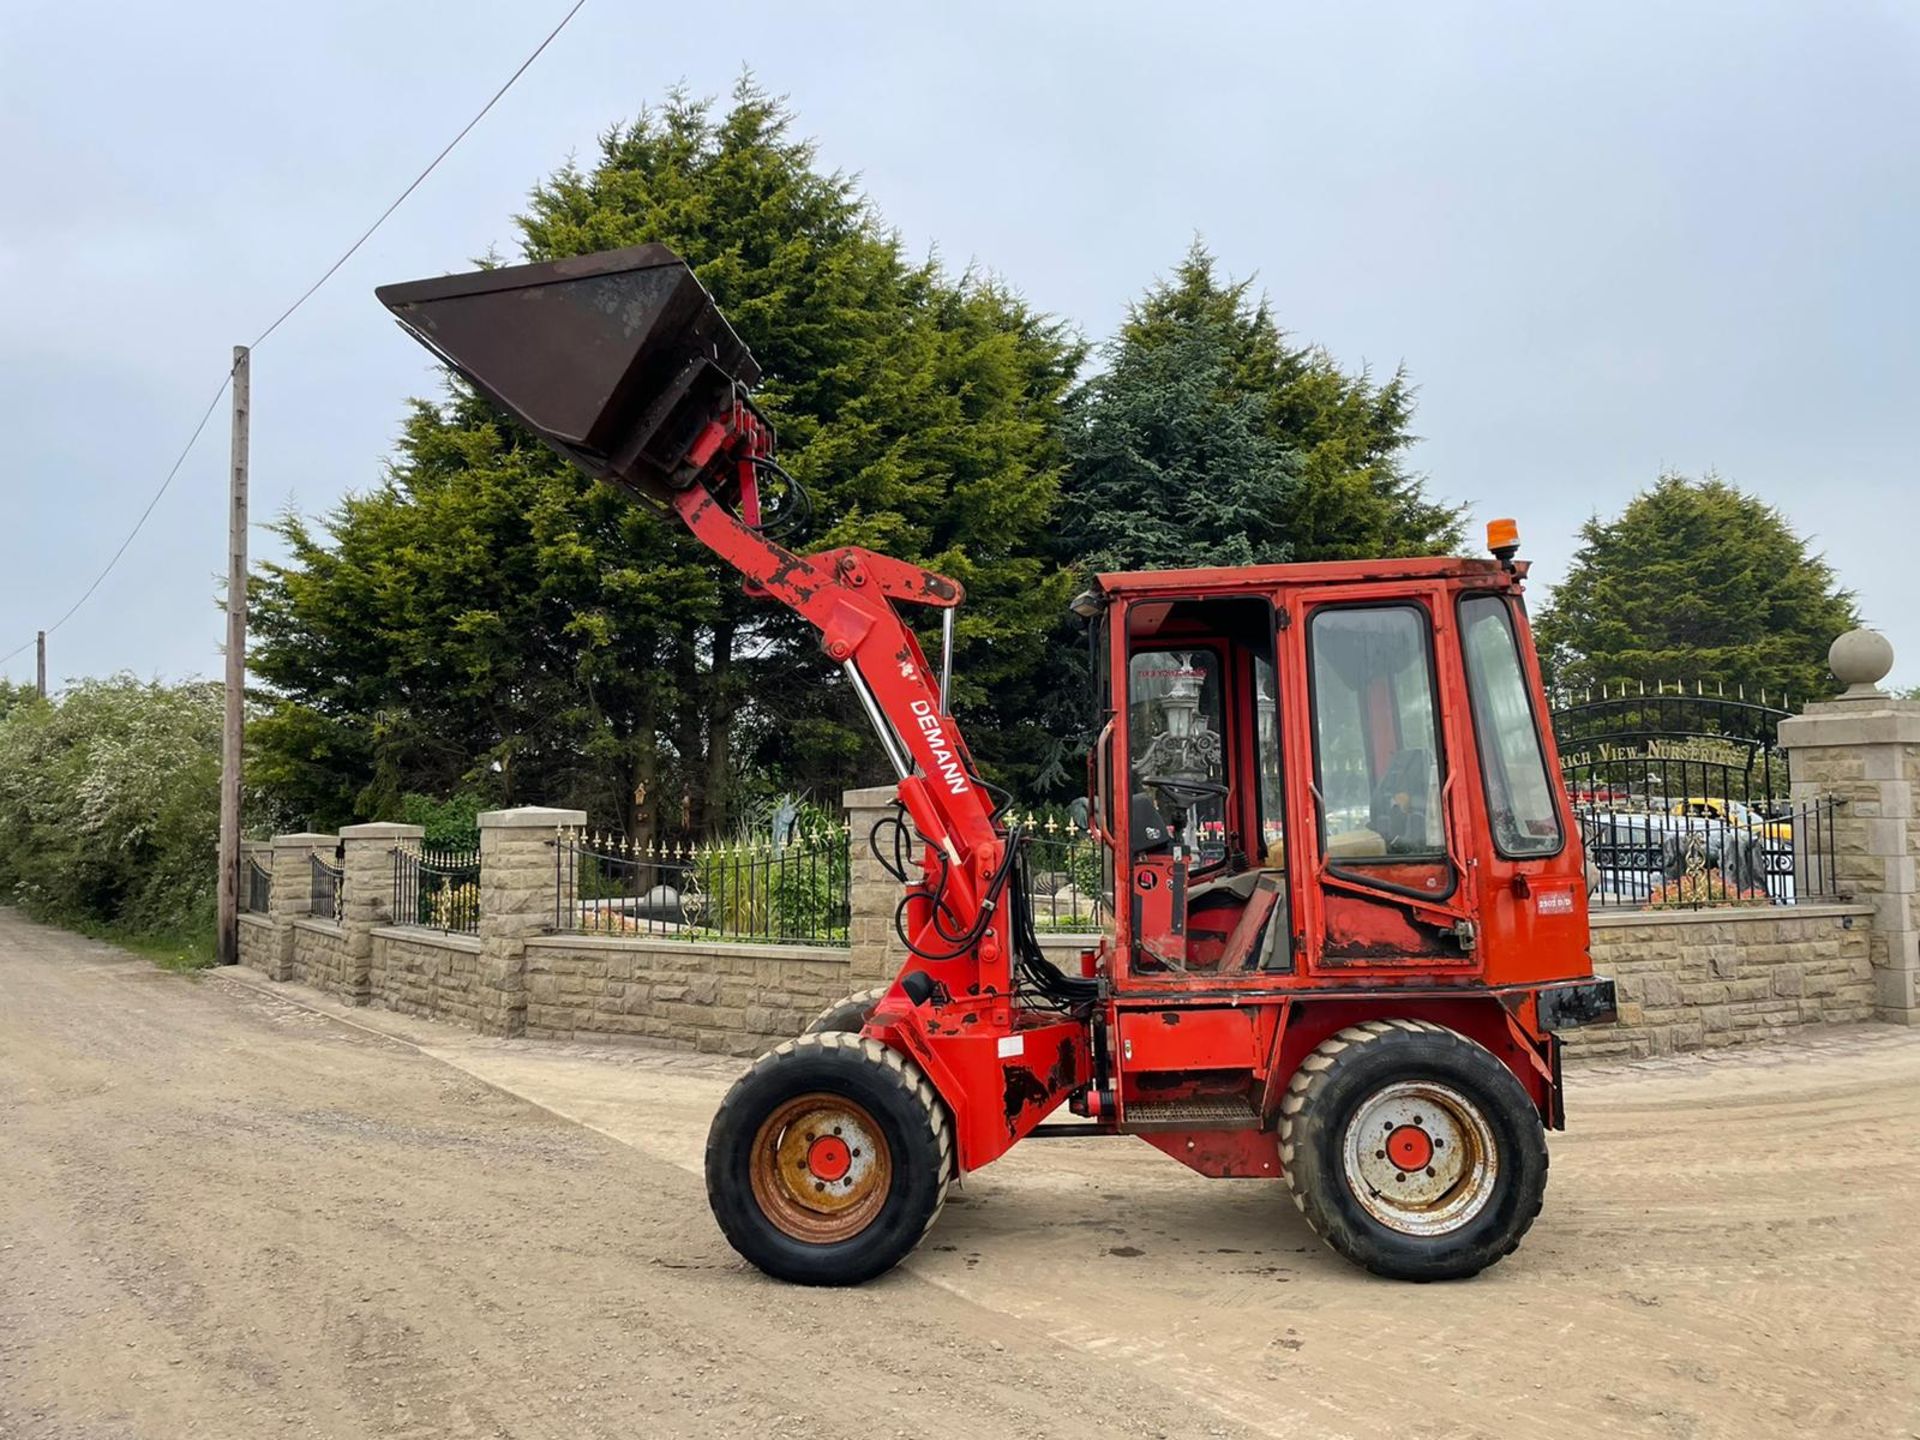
1410 1148
829 1159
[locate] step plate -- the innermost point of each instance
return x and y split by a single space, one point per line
1227 1112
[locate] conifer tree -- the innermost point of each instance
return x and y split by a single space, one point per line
1700 582
1201 384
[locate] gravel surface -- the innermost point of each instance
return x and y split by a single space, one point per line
231 1209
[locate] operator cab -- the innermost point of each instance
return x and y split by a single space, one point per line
1322 770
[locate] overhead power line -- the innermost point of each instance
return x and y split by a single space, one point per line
288 313
165 484
432 165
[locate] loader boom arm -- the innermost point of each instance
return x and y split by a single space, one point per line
849 595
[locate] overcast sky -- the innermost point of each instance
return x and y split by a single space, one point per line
1604 240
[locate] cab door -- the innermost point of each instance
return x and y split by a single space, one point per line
1381 817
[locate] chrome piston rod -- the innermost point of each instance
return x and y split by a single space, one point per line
946 660
889 742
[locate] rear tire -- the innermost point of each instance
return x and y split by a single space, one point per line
829 1160
1412 1151
848 1015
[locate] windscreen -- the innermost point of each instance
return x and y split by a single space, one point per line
1520 801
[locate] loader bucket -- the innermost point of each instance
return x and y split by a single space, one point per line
617 360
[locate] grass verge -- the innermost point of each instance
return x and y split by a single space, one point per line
186 951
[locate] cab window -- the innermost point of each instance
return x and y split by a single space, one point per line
1376 741
1266 721
1520 804
1175 734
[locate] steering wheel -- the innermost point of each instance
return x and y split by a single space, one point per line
1183 791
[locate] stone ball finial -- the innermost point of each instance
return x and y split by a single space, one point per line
1860 660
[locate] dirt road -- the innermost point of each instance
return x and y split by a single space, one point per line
224 1213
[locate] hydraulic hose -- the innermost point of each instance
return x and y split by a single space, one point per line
1054 987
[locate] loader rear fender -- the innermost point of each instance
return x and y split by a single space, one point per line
1306 1022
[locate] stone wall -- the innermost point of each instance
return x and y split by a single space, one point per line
723 999
1697 980
319 955
423 972
1688 980
366 902
291 894
257 943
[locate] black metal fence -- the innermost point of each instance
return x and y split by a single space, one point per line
256 887
1066 869
1706 853
437 889
329 890
1683 801
796 891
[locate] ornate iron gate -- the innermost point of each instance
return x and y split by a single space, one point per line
1683 800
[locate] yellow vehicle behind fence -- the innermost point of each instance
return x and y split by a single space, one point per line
1732 812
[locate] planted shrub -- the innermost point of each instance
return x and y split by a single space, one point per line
109 806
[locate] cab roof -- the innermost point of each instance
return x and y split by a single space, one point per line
1227 580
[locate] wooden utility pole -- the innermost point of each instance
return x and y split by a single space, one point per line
227 942
40 663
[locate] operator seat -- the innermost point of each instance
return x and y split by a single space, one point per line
1150 834
1238 887
1399 810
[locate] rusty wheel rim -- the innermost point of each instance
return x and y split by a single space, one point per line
820 1168
1420 1158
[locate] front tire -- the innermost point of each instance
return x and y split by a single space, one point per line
1412 1151
829 1160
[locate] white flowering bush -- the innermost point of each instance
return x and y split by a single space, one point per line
109 805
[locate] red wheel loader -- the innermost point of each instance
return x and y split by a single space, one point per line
1347 896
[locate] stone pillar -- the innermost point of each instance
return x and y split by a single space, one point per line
1864 750
876 951
368 898
517 897
293 892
